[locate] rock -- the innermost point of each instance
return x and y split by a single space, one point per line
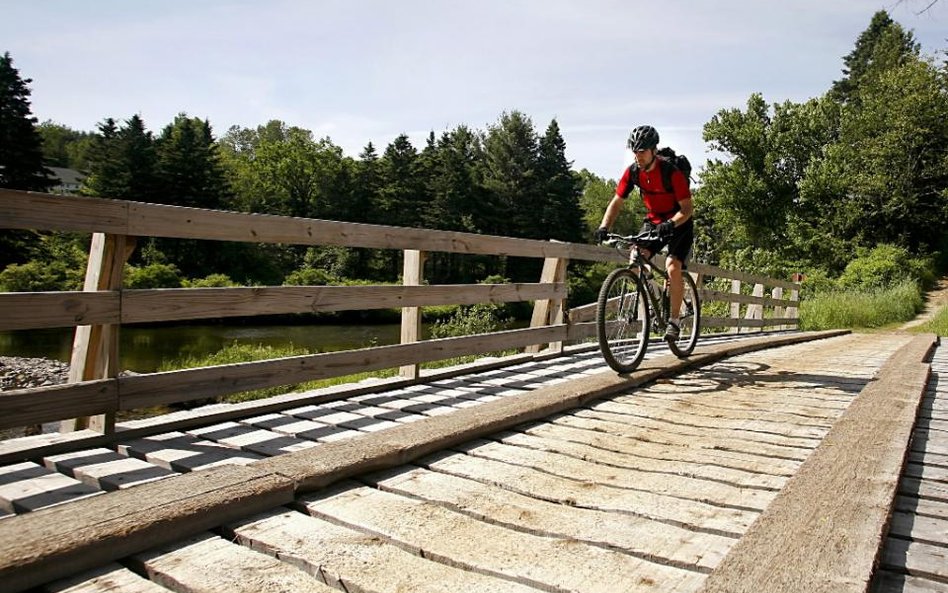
22 373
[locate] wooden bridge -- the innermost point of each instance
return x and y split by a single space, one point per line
767 461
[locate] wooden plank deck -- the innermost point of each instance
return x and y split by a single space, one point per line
915 553
646 490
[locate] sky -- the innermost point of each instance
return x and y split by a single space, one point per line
360 71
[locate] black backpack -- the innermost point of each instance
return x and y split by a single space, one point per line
668 163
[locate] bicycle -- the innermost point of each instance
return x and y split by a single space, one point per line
627 300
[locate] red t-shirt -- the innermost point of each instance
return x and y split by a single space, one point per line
661 205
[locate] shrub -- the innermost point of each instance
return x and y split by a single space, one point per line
212 281
885 265
153 276
36 276
309 277
474 319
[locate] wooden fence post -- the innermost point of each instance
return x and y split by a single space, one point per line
794 312
547 311
412 272
95 347
777 293
756 310
736 307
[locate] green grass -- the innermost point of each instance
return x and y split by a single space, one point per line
936 325
237 353
861 309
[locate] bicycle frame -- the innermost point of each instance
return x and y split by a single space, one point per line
649 272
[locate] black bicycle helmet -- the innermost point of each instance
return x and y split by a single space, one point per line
643 138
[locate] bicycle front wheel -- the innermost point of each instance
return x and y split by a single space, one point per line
622 320
690 316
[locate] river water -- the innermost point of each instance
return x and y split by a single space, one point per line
142 349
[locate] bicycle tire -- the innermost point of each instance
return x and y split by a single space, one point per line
690 316
622 320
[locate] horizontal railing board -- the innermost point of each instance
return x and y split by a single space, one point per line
49 212
142 391
708 295
25 407
200 303
708 322
41 310
710 270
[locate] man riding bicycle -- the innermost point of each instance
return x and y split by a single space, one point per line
669 212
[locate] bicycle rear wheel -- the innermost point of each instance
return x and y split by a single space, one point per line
622 320
690 316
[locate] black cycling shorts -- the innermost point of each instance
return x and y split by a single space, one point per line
679 246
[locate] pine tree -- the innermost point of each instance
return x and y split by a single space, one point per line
883 45
21 147
561 214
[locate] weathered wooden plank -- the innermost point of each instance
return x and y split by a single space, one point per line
255 440
917 559
707 295
709 518
355 561
26 487
887 581
924 489
660 434
210 564
661 542
921 506
374 451
748 406
920 528
710 322
823 531
49 212
635 458
39 310
445 535
674 452
756 424
111 578
141 306
23 407
589 472
142 391
156 220
179 452
710 270
60 541
105 469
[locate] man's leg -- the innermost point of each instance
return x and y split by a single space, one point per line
675 289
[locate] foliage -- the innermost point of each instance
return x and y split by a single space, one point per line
307 276
65 147
885 265
481 318
35 276
59 264
21 148
210 281
860 308
153 276
811 183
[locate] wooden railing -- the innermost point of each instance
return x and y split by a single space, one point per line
95 391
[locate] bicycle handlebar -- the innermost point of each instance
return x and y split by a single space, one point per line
618 240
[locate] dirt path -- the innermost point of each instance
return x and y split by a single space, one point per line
934 300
